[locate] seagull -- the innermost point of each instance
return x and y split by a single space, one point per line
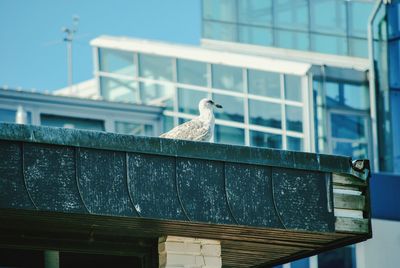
200 128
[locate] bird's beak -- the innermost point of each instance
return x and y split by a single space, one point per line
218 106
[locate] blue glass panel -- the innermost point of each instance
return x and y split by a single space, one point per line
358 47
192 72
262 139
348 126
292 40
116 61
155 67
385 198
265 114
229 135
393 12
7 116
395 107
303 263
353 149
358 17
293 88
233 108
349 96
264 83
329 44
292 14
341 257
294 118
222 10
188 100
156 94
255 35
137 129
71 122
328 16
168 123
219 31
394 63
255 12
295 144
227 77
119 90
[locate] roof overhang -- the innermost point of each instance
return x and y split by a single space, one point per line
78 190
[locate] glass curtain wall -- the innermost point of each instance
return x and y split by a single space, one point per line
342 118
325 26
261 108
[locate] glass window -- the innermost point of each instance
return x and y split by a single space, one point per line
10 116
292 14
262 139
394 19
219 31
116 61
329 44
223 10
293 88
119 90
342 257
265 114
136 129
354 149
358 18
358 47
71 122
328 16
255 35
264 83
348 126
295 144
227 77
156 94
394 62
188 100
303 263
229 135
192 72
294 118
168 123
292 40
7 116
255 12
155 67
233 108
350 96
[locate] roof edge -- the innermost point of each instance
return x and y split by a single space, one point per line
179 148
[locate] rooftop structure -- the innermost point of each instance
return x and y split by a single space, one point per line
110 191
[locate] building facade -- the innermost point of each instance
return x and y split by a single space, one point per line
291 75
61 111
308 75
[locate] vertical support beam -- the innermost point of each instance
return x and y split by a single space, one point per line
372 86
51 259
176 251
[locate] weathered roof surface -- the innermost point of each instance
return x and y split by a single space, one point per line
266 206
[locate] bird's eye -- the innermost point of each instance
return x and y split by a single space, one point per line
210 102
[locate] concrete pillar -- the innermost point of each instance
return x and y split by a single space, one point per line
187 252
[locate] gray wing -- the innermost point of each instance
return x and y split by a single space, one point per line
191 130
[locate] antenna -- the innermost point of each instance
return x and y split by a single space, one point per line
69 38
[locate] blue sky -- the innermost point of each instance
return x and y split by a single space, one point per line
32 57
